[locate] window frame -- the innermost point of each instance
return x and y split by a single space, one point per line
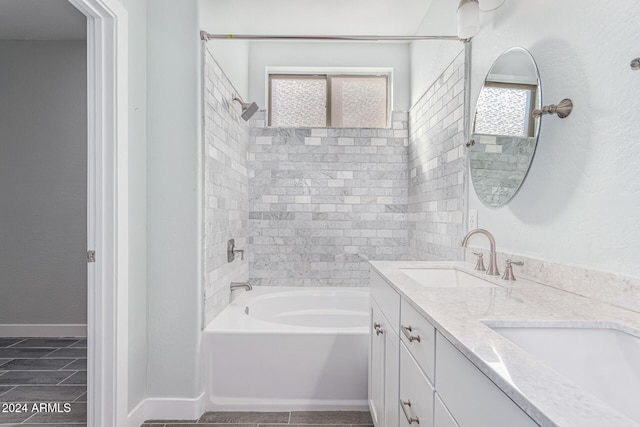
328 74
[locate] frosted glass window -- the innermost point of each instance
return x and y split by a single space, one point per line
504 110
355 101
298 101
359 101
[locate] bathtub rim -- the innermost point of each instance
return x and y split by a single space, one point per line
232 318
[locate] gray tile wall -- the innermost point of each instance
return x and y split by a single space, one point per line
225 188
324 201
437 168
312 205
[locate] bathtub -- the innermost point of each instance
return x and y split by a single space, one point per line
287 348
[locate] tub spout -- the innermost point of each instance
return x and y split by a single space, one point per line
240 285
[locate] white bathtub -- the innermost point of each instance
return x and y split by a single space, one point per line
287 348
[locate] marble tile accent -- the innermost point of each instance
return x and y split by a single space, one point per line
324 201
437 168
226 187
616 289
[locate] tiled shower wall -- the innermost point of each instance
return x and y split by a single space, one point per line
324 201
312 205
437 168
226 187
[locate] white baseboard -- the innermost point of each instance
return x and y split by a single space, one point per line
284 405
42 330
167 409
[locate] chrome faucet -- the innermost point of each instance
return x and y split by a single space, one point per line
493 265
240 285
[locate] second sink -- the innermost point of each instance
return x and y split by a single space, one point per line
602 361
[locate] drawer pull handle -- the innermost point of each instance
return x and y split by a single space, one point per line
403 405
406 330
378 328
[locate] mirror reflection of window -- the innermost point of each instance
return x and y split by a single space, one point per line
505 109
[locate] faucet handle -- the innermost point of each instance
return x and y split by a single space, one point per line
479 262
508 269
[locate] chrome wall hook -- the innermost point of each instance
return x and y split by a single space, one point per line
563 109
635 64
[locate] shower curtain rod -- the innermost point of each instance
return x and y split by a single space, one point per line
207 36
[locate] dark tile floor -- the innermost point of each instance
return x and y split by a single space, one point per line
43 382
273 419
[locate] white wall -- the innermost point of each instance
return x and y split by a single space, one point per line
580 203
43 141
174 188
233 57
329 54
429 58
137 366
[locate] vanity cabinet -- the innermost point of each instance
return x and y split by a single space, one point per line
418 378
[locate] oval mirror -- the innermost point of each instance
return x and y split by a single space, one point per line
505 132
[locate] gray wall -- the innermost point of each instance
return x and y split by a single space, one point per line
43 134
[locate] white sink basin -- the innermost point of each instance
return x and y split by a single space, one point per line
604 362
445 277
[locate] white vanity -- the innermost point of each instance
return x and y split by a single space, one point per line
451 347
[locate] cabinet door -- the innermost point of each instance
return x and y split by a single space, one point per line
416 393
377 365
391 377
472 398
442 417
383 370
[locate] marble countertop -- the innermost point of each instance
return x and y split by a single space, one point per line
462 315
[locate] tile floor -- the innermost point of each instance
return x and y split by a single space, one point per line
272 419
43 382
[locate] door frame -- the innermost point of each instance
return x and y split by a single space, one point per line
107 211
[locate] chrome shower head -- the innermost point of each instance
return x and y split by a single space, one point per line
248 110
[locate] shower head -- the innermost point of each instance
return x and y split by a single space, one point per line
248 110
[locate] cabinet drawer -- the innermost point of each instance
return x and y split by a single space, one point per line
442 417
419 337
387 299
416 393
472 398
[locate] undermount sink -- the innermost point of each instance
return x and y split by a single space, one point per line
602 361
445 277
